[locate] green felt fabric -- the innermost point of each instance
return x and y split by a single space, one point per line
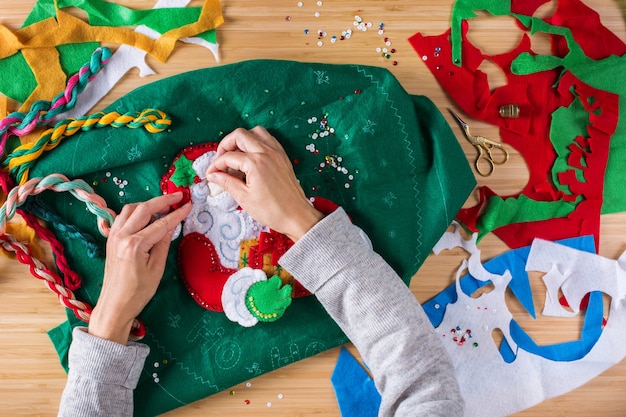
568 123
72 56
605 74
409 179
520 210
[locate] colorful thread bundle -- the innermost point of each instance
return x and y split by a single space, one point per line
59 183
22 158
41 112
95 204
71 278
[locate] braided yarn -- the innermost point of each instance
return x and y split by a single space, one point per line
70 278
54 283
41 112
23 157
96 204
46 213
57 182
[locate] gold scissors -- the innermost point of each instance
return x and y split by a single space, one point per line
485 161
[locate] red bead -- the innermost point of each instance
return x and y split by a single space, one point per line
357 91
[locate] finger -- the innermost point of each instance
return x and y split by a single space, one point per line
143 213
156 231
241 140
231 184
266 137
121 218
230 162
158 253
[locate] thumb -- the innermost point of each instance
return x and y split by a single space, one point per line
231 184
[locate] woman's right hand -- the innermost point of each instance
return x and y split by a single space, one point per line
269 190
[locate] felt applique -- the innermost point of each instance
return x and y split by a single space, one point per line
571 204
225 254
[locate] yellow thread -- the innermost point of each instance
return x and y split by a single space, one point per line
54 135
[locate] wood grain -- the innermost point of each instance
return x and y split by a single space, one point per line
31 380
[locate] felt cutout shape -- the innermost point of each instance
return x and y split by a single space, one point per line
106 21
127 57
355 390
571 206
221 243
499 381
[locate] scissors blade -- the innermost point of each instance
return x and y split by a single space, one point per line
459 120
464 127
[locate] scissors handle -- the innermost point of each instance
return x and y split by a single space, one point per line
484 164
485 156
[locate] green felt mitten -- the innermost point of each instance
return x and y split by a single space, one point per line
267 301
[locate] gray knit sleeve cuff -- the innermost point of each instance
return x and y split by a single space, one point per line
105 361
324 250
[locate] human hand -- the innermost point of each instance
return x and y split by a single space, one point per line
270 192
135 261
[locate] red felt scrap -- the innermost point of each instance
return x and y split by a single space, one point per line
537 98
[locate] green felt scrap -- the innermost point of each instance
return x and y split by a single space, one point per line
355 137
568 123
72 56
519 210
605 74
464 10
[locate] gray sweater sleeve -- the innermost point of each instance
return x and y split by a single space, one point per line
358 289
102 376
368 300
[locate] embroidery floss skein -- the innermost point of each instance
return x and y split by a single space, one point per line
23 157
95 204
57 182
41 112
52 280
70 277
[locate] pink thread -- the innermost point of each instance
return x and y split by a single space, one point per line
34 186
71 278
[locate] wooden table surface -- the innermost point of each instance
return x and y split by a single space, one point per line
31 379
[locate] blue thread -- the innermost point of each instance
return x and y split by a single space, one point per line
56 222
